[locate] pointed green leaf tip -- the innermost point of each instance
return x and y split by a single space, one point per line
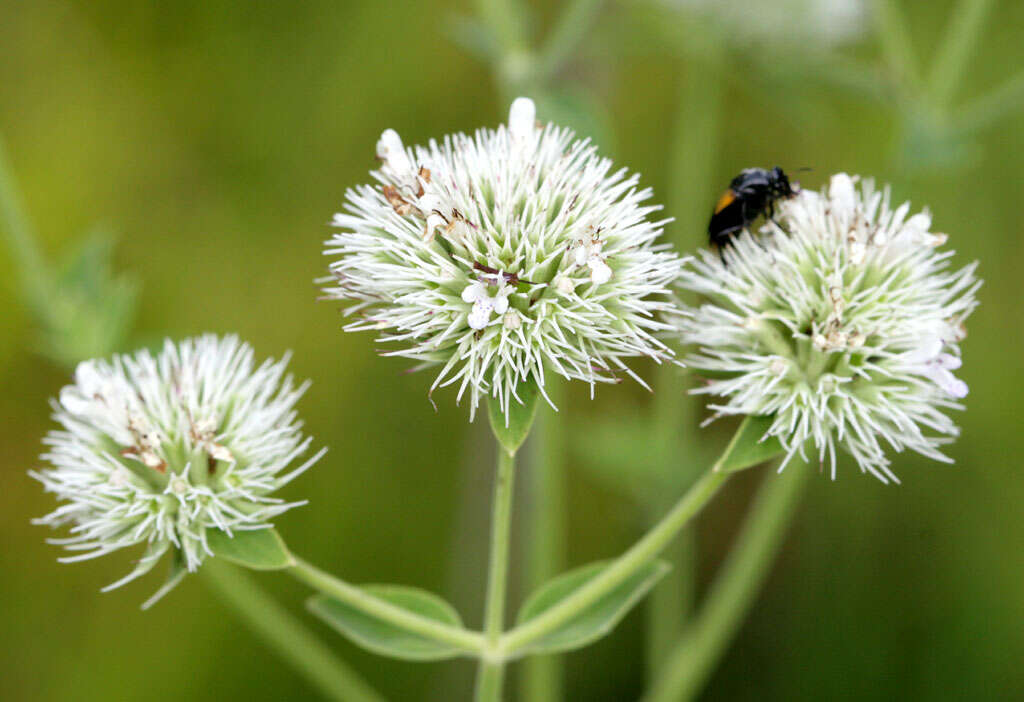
383 637
511 430
749 447
259 549
594 621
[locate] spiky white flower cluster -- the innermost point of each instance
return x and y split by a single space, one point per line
160 450
502 255
843 321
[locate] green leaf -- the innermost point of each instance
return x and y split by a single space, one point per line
89 310
596 620
259 549
383 637
749 447
511 431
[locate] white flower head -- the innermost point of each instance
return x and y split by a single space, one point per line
843 321
502 255
160 450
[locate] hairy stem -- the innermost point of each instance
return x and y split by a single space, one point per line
641 553
356 597
492 672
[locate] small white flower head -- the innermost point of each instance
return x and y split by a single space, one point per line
160 450
500 256
843 321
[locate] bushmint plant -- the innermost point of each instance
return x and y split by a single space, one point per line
501 259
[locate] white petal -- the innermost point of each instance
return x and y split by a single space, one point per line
433 222
88 378
390 148
221 453
948 382
73 401
480 314
599 271
841 190
522 117
474 291
501 304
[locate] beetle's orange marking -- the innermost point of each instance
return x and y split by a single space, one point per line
728 197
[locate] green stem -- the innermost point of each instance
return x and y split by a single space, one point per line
541 676
505 19
694 146
670 601
492 672
309 656
34 275
895 42
572 26
691 661
356 597
641 553
986 110
962 33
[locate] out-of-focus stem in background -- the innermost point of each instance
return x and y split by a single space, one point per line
541 676
694 148
286 635
691 661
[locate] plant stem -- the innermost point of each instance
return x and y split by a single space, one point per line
33 273
506 19
694 145
691 661
894 36
641 553
309 656
356 597
541 676
670 601
492 672
962 32
576 18
987 109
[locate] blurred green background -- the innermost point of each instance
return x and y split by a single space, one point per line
216 139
